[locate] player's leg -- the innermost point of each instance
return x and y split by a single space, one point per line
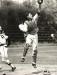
0 52
34 54
27 45
25 52
34 57
5 58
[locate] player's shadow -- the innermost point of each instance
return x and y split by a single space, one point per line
5 70
36 72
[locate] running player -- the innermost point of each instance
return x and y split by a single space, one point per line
4 49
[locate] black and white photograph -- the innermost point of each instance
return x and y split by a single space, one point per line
28 37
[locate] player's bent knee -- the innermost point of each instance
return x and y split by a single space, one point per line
34 48
27 46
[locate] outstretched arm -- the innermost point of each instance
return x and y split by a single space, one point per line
35 18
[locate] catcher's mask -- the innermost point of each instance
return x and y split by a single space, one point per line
29 16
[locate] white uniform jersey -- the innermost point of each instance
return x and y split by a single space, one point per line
3 38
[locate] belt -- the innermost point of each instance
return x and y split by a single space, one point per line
2 44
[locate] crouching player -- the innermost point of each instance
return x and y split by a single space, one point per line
4 49
31 29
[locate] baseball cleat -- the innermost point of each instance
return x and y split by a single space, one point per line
34 65
13 68
22 59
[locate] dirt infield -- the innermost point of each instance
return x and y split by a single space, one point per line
46 60
47 54
27 69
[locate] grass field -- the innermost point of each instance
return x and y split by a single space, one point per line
46 60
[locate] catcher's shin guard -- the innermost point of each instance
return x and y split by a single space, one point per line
34 57
25 50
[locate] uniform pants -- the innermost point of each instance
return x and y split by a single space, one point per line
32 40
3 51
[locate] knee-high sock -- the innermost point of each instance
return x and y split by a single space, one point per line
34 56
9 63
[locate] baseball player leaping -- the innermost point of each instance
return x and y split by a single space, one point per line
31 30
4 49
